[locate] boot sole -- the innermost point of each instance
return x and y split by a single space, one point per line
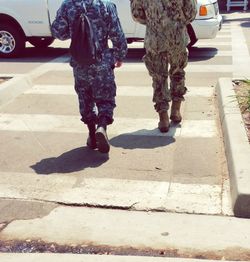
175 120
164 129
102 142
91 146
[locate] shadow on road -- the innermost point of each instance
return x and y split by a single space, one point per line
32 54
127 141
135 55
197 53
144 139
72 161
246 24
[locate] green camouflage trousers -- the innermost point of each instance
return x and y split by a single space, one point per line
167 67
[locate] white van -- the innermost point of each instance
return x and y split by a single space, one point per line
29 20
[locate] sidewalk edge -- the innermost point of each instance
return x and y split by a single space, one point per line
14 87
19 83
237 147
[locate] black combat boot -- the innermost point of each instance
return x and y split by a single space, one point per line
91 141
102 138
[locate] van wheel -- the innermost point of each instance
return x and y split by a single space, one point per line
12 41
41 42
192 36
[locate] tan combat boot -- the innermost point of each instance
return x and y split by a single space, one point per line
163 125
175 115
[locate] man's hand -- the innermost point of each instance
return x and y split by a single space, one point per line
118 64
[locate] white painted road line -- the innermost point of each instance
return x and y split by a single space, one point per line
241 59
142 91
72 124
228 36
140 67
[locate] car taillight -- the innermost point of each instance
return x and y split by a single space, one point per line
203 10
207 10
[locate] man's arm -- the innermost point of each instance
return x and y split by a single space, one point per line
189 10
60 26
116 35
137 11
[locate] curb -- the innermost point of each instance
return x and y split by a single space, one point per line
129 233
87 258
13 87
236 146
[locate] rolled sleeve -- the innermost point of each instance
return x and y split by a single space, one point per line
116 34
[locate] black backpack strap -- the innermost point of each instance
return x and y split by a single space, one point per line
83 4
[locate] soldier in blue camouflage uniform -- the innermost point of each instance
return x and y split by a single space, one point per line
165 43
95 83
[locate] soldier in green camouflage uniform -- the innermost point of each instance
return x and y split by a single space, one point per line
166 53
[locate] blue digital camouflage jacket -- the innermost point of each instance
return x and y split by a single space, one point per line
106 25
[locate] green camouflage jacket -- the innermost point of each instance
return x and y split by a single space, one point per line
165 22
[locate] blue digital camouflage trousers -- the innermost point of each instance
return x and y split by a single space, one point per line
96 90
161 66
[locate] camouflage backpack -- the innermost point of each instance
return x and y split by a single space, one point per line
84 48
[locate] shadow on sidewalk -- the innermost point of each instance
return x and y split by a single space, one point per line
72 161
135 55
144 139
246 24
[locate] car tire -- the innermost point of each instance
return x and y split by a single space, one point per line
12 41
41 42
192 36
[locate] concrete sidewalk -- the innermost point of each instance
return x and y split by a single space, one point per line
119 232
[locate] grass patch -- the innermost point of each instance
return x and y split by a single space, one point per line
242 90
243 95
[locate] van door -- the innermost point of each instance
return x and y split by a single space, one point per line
127 22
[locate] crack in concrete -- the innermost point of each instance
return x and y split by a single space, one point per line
131 207
128 208
35 200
